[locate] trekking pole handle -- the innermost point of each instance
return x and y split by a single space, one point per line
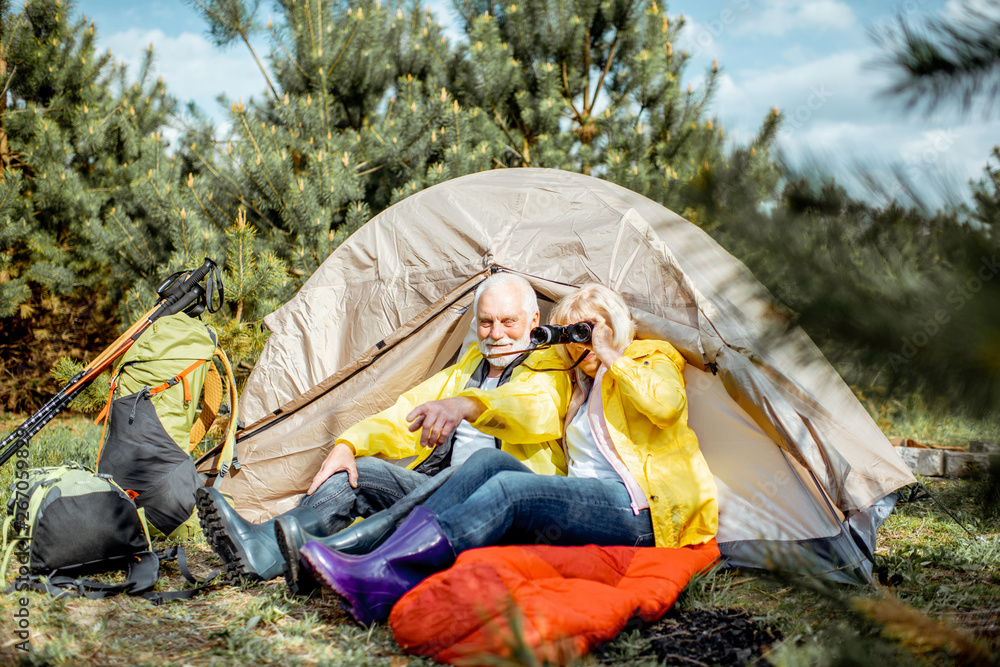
200 272
180 293
175 294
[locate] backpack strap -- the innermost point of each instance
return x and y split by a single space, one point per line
177 553
141 578
105 412
180 377
7 553
5 529
225 458
211 402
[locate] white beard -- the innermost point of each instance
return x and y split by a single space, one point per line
521 344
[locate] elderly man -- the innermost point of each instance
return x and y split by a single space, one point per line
488 399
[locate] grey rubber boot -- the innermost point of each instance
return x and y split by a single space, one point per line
249 550
360 538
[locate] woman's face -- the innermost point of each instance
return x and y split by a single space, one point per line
590 363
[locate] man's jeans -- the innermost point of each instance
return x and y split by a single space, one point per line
495 499
380 485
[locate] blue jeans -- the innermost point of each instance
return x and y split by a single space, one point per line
495 499
380 485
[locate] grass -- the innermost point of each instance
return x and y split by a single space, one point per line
941 604
930 423
62 440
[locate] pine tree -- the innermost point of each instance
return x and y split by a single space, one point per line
597 88
73 145
360 107
97 207
67 144
368 103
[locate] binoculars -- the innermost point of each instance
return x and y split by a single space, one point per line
554 334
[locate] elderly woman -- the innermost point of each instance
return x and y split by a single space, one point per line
636 475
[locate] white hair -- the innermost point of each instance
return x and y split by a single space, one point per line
506 280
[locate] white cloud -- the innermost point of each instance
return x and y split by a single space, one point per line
795 53
700 39
957 9
833 115
936 163
836 86
779 17
191 66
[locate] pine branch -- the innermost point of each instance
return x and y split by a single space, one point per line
235 193
506 131
350 40
586 70
284 48
131 238
6 86
569 94
946 58
607 68
257 149
231 23
260 66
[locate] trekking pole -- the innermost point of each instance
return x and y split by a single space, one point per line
181 292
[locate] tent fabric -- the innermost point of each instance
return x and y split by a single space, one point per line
559 602
794 453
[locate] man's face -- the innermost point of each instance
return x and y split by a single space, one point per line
502 325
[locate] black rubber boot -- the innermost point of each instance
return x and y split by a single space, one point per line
249 550
360 538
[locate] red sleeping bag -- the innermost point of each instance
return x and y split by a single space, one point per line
562 601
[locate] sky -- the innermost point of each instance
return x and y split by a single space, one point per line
813 59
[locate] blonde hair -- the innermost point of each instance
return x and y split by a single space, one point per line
596 298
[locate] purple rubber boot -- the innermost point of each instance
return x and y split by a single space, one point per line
370 584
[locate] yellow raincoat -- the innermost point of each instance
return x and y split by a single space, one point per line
645 409
526 413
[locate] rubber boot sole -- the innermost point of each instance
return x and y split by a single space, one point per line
217 533
297 578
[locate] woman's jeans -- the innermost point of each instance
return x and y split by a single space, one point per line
494 499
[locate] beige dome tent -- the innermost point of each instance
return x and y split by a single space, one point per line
803 472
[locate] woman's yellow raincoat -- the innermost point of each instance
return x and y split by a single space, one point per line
645 409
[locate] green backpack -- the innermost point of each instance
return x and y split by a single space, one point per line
66 523
152 422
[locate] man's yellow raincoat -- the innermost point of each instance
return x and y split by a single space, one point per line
525 413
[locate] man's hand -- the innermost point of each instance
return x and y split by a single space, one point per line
439 418
339 459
